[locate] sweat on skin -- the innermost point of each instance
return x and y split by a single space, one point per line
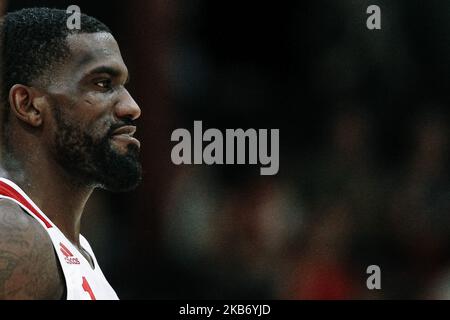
235 140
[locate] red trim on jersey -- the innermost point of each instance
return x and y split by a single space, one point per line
8 191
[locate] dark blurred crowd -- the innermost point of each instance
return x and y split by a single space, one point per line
364 171
312 232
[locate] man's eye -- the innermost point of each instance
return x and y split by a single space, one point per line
106 84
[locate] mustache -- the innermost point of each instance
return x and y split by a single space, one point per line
121 123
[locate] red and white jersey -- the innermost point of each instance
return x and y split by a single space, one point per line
82 281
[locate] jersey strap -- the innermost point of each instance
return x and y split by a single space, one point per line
9 191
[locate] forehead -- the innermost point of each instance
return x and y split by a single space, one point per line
89 50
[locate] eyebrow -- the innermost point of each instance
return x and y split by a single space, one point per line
114 72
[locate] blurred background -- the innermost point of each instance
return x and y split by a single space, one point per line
364 138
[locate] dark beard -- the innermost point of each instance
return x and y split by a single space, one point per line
91 161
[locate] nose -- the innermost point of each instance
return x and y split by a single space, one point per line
127 107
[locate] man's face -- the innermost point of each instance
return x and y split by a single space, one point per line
93 114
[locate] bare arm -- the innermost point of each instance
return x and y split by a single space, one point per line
28 266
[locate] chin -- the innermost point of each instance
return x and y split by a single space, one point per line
124 144
123 173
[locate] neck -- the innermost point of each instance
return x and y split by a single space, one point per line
53 191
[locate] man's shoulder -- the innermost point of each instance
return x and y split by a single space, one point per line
15 223
28 265
12 214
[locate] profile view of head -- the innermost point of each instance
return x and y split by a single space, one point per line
64 104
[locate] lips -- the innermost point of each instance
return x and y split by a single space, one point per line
126 130
125 134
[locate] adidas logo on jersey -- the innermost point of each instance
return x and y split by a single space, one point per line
68 256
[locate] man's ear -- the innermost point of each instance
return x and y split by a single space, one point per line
27 104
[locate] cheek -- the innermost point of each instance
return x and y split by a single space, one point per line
83 125
86 114
92 115
89 111
97 128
